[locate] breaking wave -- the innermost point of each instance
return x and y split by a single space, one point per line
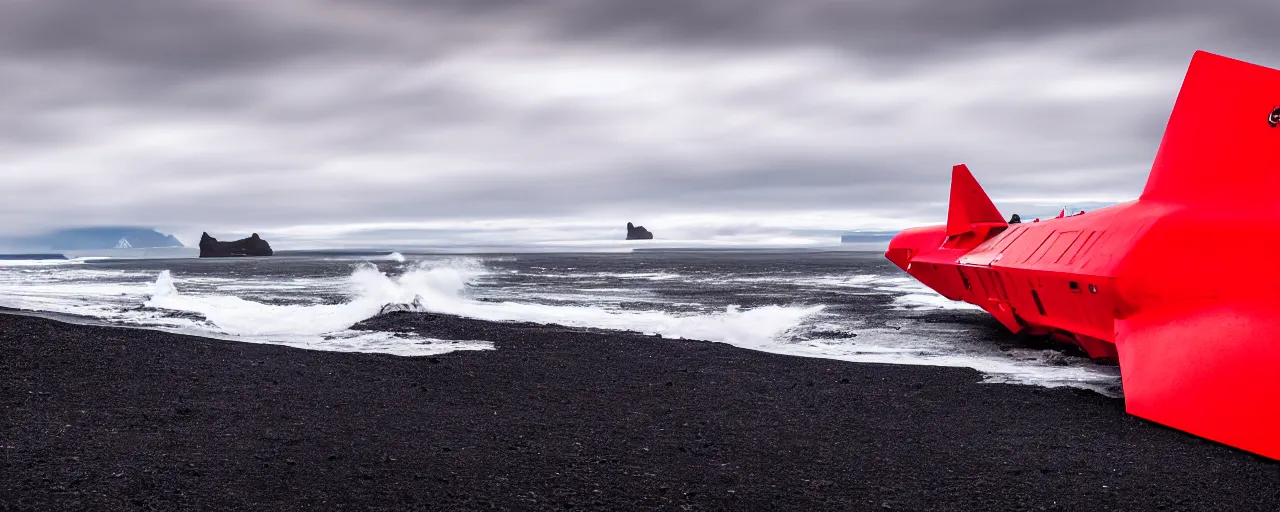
440 287
314 326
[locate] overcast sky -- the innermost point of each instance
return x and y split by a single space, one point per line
312 119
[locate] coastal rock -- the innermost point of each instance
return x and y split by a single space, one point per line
210 247
638 233
413 307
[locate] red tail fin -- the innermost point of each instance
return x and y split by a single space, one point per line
1196 340
1222 144
969 204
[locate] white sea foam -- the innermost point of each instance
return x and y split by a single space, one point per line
49 263
318 312
441 288
114 296
930 300
645 276
908 293
1020 366
318 326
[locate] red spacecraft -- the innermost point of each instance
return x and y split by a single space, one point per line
1180 286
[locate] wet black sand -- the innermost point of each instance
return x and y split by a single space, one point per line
95 418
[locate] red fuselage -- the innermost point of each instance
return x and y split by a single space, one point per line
1178 286
1055 277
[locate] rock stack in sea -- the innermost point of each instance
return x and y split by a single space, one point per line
638 233
210 247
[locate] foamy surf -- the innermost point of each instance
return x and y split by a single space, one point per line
314 303
441 288
50 262
315 326
1019 366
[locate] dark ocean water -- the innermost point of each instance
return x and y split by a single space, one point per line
841 305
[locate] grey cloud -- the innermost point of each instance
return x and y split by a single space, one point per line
239 113
226 35
905 29
213 36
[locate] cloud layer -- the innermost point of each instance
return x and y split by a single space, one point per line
689 116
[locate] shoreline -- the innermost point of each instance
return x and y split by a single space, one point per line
121 418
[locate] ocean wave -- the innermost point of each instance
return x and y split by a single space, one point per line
316 307
440 287
395 256
50 262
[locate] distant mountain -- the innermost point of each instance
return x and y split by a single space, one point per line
79 239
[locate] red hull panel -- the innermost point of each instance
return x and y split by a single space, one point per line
1175 285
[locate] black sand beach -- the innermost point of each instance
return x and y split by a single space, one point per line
97 418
